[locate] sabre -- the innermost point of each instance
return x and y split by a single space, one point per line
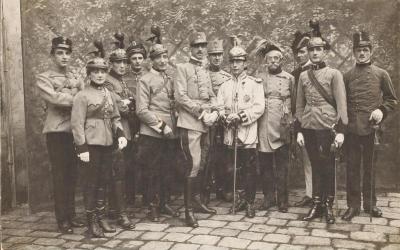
235 139
336 150
374 157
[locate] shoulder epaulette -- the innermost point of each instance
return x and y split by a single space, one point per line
256 79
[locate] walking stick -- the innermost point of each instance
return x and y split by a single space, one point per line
374 157
234 166
336 151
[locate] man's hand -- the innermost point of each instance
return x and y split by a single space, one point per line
168 132
233 117
300 139
339 139
126 102
84 156
209 119
122 142
377 116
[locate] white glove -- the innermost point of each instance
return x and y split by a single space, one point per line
339 139
209 119
167 131
126 102
122 142
376 115
214 116
84 156
300 139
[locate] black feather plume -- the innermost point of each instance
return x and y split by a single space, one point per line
314 25
120 40
156 37
100 49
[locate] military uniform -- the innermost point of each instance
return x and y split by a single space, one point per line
58 89
368 88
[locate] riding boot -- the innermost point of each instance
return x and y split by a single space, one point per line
121 216
205 188
164 198
315 211
189 216
329 215
94 230
101 212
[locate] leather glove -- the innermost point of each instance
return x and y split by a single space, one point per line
168 132
84 156
339 139
300 139
122 142
377 116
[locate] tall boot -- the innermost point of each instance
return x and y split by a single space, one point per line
101 212
315 211
250 211
205 188
199 205
154 209
329 215
121 215
94 230
164 198
189 216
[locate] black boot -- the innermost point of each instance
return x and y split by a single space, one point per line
125 222
164 199
65 227
267 203
315 211
189 216
107 228
166 209
94 229
375 211
350 213
198 202
250 211
120 206
154 209
329 215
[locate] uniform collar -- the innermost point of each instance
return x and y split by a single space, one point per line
318 66
115 75
242 76
362 65
96 86
157 72
195 61
214 68
137 72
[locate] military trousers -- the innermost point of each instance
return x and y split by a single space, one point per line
318 145
274 171
357 148
63 160
217 163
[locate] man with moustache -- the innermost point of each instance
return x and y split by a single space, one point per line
273 146
217 164
121 162
320 106
370 98
196 100
57 87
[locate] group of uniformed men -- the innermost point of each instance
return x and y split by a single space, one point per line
211 124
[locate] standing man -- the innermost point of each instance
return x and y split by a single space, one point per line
370 98
158 134
299 49
320 105
196 99
218 166
121 160
58 86
273 128
241 103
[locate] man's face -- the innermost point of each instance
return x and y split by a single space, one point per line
362 54
119 67
160 62
216 59
237 67
98 76
61 57
136 61
273 59
316 54
301 56
199 51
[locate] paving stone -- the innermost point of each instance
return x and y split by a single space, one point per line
181 246
250 235
129 235
11 224
365 220
262 228
278 238
240 225
159 245
276 222
262 245
71 244
297 223
75 237
315 224
395 216
213 248
212 223
112 243
381 203
299 210
368 236
19 239
327 234
178 229
390 194
394 238
257 220
320 248
87 246
351 244
201 230
32 218
133 244
225 232
392 247
17 232
48 220
293 231
151 227
234 242
101 248
290 247
177 237
382 229
228 217
222 210
204 239
27 247
49 241
311 240
44 234
345 227
279 215
152 235
394 204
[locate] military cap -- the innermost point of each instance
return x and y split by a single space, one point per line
300 40
61 42
215 47
361 39
157 49
316 39
198 38
136 47
98 61
237 53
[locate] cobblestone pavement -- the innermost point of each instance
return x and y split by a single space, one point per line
268 230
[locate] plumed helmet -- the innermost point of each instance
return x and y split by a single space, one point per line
119 54
361 39
98 61
316 39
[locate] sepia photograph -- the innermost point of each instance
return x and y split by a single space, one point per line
200 124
